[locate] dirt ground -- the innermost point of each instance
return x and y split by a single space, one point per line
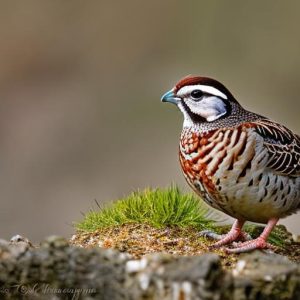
140 239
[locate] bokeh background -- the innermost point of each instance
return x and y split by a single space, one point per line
80 87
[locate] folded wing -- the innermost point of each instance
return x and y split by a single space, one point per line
283 147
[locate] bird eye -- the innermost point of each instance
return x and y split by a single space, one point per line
196 94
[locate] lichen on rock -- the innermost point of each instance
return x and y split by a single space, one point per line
58 270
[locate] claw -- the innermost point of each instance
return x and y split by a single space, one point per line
259 243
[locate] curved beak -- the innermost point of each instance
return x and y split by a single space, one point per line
170 97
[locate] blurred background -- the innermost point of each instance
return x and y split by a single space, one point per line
80 87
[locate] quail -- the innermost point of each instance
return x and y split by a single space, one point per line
237 161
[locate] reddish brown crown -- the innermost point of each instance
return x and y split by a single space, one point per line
193 80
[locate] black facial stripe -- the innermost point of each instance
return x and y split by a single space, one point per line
228 108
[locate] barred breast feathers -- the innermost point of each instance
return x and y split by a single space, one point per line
222 150
282 145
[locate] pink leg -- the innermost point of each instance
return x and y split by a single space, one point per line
234 233
258 243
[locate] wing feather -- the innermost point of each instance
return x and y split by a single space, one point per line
283 147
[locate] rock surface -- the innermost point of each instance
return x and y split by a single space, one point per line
56 270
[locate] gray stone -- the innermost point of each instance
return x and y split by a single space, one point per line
56 270
261 275
168 277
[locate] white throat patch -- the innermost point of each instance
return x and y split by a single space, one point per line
187 121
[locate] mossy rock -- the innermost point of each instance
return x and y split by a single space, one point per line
166 220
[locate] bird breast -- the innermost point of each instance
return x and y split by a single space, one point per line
227 168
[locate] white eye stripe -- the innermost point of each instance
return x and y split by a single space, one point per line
204 88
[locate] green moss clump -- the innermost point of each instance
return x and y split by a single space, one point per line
162 208
156 207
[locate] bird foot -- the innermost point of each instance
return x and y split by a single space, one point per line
236 234
258 243
223 239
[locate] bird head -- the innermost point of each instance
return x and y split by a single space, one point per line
201 99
